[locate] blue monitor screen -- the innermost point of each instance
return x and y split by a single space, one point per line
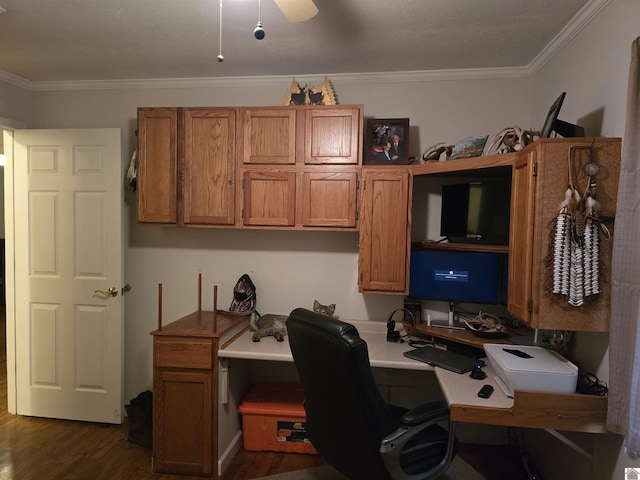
455 276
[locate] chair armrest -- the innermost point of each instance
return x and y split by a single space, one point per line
424 413
412 423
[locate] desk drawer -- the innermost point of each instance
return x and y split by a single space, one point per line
183 353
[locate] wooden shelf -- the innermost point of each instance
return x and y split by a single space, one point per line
486 163
571 412
467 247
465 337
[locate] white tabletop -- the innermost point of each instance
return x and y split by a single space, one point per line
457 388
461 389
381 353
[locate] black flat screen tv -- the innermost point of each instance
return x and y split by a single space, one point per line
476 212
458 276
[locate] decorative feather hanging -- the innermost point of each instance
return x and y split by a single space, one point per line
576 240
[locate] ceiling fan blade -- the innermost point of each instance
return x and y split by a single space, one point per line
297 10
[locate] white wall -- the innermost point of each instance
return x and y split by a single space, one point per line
593 69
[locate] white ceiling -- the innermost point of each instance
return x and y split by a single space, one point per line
79 40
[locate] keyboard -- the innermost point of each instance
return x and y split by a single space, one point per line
456 362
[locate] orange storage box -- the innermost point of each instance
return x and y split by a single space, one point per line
273 419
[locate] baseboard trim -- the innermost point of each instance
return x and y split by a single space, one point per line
227 456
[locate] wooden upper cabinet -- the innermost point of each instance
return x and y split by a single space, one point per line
333 135
292 167
269 198
385 223
540 180
300 165
268 136
157 165
209 166
329 199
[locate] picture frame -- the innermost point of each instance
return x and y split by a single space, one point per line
378 142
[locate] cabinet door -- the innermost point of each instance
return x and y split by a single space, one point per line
332 135
269 198
521 236
157 165
268 136
384 231
182 422
329 199
209 166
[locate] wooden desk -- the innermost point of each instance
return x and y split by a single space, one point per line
185 391
553 411
567 412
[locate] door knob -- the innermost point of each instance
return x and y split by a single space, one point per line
112 292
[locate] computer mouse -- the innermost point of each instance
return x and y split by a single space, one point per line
478 374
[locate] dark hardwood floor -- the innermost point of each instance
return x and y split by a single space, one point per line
46 449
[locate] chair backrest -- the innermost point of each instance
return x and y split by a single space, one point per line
346 415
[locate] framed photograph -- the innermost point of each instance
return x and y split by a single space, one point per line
386 142
469 147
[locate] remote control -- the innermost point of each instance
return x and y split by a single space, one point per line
485 391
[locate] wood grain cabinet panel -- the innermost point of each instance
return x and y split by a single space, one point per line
269 198
157 165
329 199
385 224
333 136
268 136
183 426
209 166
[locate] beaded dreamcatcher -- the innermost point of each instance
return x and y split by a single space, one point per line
576 240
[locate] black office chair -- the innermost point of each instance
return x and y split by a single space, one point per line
348 421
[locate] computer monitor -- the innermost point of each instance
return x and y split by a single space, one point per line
455 276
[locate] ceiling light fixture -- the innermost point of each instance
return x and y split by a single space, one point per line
220 56
259 32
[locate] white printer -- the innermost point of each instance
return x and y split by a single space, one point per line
520 367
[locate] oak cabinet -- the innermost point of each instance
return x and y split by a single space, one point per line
540 179
299 166
157 177
183 442
289 167
268 136
385 223
269 198
186 172
332 135
329 199
209 166
185 391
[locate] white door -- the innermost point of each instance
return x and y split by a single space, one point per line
67 242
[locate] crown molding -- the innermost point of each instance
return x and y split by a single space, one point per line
15 80
275 80
575 26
